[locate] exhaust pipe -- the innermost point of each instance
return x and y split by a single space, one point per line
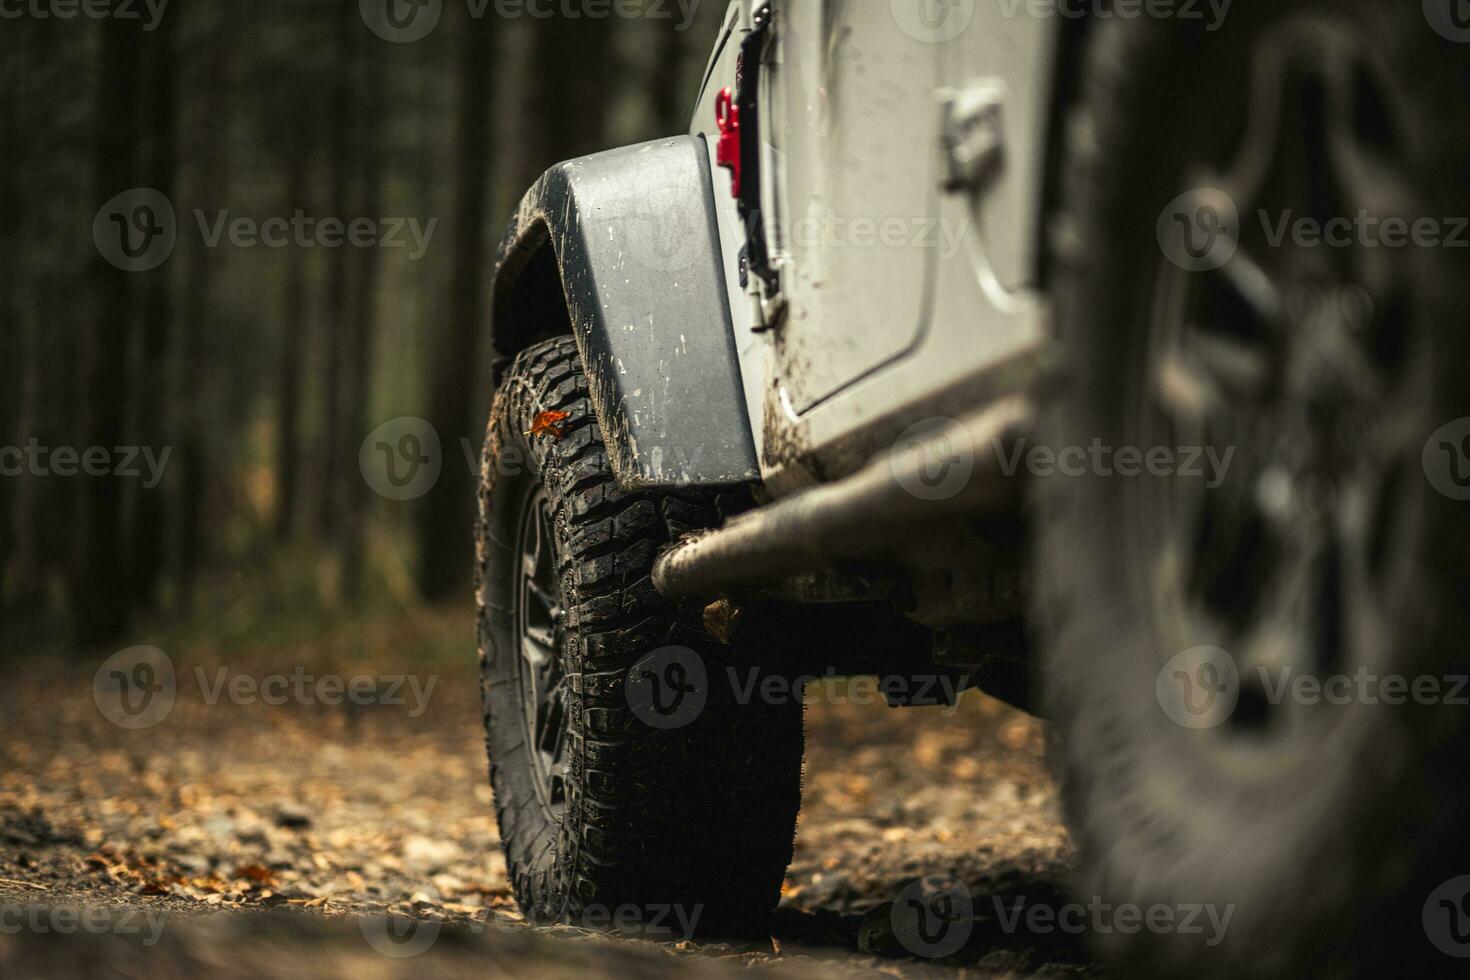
871 512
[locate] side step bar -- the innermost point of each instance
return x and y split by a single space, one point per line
868 513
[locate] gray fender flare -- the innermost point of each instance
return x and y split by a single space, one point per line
621 249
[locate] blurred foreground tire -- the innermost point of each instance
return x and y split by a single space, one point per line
633 790
1192 604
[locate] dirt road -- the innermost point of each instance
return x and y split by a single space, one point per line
335 822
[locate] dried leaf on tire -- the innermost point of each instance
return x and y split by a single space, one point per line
548 424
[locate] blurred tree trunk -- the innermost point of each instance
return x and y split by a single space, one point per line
154 427
63 323
446 517
670 99
574 91
358 388
20 563
293 341
213 178
15 365
339 312
103 609
51 543
14 359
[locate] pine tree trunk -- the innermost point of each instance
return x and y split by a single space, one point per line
103 608
339 306
574 114
154 428
194 454
670 99
293 354
359 381
14 352
445 544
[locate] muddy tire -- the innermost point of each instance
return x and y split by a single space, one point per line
1326 548
628 779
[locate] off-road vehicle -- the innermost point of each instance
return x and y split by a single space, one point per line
990 342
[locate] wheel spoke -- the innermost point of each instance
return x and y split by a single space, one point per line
1199 379
1322 141
552 731
1365 152
1282 161
1364 141
543 681
1235 366
1234 547
1250 297
1186 393
1247 175
542 638
1300 623
1226 326
537 657
541 547
1373 518
543 596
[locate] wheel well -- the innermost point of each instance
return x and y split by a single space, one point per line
530 301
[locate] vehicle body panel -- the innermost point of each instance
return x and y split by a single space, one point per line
869 340
851 101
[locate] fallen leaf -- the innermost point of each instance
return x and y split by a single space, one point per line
548 423
257 873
